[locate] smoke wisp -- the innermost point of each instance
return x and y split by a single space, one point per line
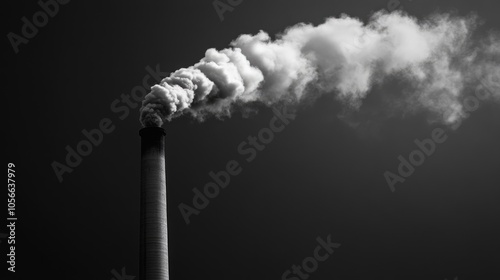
436 58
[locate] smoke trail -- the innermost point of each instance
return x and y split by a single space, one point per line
436 58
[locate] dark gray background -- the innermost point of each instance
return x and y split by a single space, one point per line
318 177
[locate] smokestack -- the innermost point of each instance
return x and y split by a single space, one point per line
154 234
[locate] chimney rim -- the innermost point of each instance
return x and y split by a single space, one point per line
152 130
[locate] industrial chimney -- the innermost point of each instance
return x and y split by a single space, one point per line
153 235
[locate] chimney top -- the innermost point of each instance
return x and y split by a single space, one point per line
152 131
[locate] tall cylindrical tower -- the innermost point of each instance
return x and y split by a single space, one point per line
153 235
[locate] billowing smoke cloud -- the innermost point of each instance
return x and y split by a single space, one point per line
436 58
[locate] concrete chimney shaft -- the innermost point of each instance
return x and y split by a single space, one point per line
153 235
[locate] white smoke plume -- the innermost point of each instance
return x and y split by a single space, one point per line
437 59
